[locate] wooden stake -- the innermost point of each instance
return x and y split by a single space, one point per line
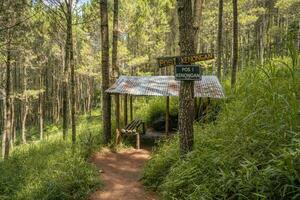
131 107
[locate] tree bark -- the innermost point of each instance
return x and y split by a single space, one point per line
41 102
72 65
186 94
66 78
106 101
235 43
115 67
197 18
25 107
7 132
220 40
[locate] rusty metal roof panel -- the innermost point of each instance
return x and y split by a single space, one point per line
209 86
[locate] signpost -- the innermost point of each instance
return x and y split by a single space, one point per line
184 60
188 72
184 71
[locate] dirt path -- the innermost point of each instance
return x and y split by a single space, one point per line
121 174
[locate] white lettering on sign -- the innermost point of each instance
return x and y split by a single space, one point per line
188 72
186 69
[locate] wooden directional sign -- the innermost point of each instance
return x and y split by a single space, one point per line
188 72
184 60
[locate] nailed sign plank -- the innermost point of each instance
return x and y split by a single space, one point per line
188 72
181 60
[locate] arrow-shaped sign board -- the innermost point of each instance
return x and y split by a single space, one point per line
184 60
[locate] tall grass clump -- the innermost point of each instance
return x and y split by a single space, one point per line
52 168
252 151
165 155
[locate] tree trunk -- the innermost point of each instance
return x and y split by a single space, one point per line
4 128
72 63
115 67
197 18
41 117
186 94
220 39
235 44
261 41
66 79
7 132
106 101
25 107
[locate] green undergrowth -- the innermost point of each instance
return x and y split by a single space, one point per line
53 168
150 108
252 150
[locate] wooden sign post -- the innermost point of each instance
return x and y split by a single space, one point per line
184 72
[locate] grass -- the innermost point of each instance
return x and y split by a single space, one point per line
53 168
252 151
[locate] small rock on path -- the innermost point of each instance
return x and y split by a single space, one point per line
120 173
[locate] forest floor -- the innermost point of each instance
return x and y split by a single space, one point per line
120 173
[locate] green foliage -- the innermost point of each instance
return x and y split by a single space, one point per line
52 168
251 152
166 154
152 108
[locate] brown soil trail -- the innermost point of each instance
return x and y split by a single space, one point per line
121 174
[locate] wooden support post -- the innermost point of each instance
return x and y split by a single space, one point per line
131 107
125 110
138 142
167 115
117 112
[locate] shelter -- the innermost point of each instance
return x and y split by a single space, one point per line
208 86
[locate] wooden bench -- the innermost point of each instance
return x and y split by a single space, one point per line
133 129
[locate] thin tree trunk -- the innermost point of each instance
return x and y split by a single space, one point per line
106 101
41 119
4 128
25 107
7 133
115 67
220 39
72 65
186 94
197 19
235 43
261 41
66 80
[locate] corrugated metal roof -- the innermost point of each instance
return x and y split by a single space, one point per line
209 86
